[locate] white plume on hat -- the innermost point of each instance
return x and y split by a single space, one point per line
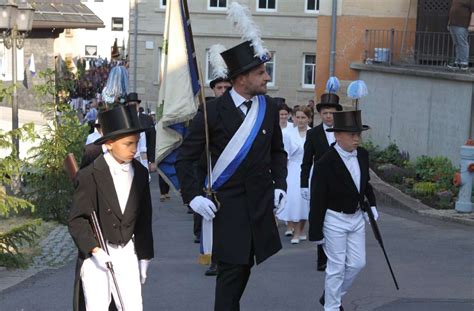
242 20
219 68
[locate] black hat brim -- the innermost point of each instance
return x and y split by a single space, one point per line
116 134
320 106
349 129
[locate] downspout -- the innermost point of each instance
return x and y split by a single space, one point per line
135 42
332 54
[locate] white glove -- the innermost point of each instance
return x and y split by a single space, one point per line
305 193
101 258
320 242
279 201
143 265
204 207
374 211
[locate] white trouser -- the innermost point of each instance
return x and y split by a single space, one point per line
344 236
98 284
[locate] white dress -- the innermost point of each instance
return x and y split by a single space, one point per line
296 208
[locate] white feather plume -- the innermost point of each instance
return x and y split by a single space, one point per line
242 20
219 68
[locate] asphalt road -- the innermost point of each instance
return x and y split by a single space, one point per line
433 262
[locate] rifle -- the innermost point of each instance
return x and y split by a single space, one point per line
71 167
375 229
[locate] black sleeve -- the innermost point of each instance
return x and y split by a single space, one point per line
278 155
190 152
83 203
307 161
143 227
318 203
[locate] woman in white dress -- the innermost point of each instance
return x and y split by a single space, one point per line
297 209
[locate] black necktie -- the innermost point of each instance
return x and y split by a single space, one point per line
248 104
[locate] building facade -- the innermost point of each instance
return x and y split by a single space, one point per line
98 42
288 31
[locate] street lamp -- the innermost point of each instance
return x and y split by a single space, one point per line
15 22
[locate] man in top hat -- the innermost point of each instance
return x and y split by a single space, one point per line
116 187
317 143
219 86
249 180
147 143
340 185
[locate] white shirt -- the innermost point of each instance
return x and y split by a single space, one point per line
352 164
239 100
141 146
93 137
329 135
122 175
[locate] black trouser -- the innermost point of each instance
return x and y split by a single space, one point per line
197 224
322 258
230 285
164 187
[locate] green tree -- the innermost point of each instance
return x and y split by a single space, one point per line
50 189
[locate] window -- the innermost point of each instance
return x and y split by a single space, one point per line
217 4
266 5
162 4
270 67
6 63
117 23
90 50
309 70
312 6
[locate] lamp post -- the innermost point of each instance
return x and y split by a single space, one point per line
15 22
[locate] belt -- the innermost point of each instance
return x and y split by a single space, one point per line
340 210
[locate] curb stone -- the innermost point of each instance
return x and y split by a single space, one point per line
394 197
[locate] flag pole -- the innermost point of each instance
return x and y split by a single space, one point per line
204 259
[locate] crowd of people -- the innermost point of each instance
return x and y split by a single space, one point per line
265 168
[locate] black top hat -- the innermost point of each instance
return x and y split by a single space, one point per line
117 122
213 83
241 58
133 97
348 121
329 100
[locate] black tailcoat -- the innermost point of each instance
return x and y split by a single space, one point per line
333 188
315 146
245 222
94 190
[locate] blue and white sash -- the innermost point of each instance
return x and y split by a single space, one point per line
239 146
231 158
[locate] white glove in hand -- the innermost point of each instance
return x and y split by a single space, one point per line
143 265
204 207
374 211
279 201
101 258
305 193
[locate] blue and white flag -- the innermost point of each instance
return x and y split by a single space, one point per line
178 100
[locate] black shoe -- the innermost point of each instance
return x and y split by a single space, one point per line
453 65
464 67
197 240
212 271
321 301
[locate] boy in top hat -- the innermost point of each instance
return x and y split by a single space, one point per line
116 187
317 143
340 185
253 181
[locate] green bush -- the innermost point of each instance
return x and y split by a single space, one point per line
11 241
391 155
49 186
424 188
438 170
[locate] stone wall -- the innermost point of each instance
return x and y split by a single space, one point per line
423 112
